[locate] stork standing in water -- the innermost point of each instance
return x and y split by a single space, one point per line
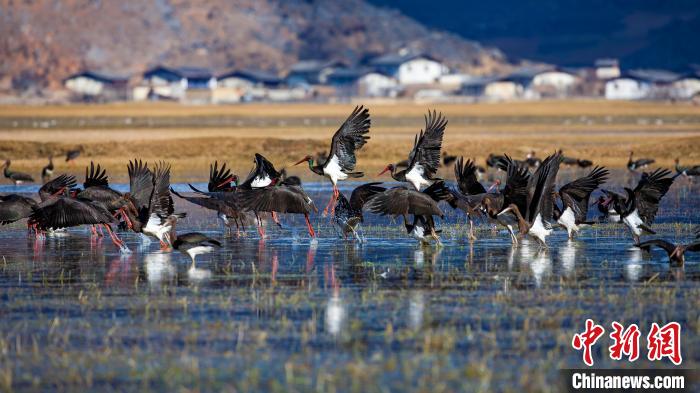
16 177
424 159
676 252
469 191
340 164
688 171
47 171
193 244
575 197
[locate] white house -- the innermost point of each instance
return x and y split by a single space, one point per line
90 85
174 83
555 83
376 84
410 69
607 68
244 85
312 72
686 86
640 84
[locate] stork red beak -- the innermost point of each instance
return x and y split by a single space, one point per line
387 169
226 181
302 160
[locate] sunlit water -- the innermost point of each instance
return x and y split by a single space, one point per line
332 314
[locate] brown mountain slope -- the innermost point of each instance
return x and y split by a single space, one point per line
41 42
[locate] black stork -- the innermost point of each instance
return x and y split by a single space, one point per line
469 191
152 209
448 159
687 171
493 161
539 204
195 243
348 214
575 197
15 207
424 159
531 160
221 181
676 252
402 201
341 160
64 212
634 165
96 188
47 171
287 196
574 162
639 207
73 154
16 177
514 192
262 175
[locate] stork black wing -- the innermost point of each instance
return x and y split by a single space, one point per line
399 200
648 193
97 176
68 212
195 238
541 188
219 178
428 143
577 193
364 193
647 245
516 189
161 200
351 136
465 174
15 207
280 199
57 184
140 187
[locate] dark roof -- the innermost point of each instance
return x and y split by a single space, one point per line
607 63
395 59
314 65
650 75
180 72
476 81
99 76
253 76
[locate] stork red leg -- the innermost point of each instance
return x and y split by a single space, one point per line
93 230
308 225
276 219
115 239
129 224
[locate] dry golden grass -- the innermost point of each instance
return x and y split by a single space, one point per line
601 131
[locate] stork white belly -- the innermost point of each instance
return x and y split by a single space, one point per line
157 227
416 177
199 250
568 220
633 222
333 171
538 229
260 181
418 233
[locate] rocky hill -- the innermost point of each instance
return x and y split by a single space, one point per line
41 42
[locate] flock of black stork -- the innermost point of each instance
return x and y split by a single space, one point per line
528 204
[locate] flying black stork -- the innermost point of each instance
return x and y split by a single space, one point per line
262 175
402 201
639 207
348 214
539 206
14 207
575 198
222 182
642 163
152 209
676 252
96 188
16 177
47 171
341 160
469 191
195 243
64 212
73 154
424 159
287 196
688 171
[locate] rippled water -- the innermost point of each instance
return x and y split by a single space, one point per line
288 313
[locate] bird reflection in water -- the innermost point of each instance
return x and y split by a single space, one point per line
159 269
567 255
416 309
335 307
633 266
120 271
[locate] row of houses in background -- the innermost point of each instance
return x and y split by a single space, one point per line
402 75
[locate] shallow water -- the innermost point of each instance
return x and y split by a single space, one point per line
288 313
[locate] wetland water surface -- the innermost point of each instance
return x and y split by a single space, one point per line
332 315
